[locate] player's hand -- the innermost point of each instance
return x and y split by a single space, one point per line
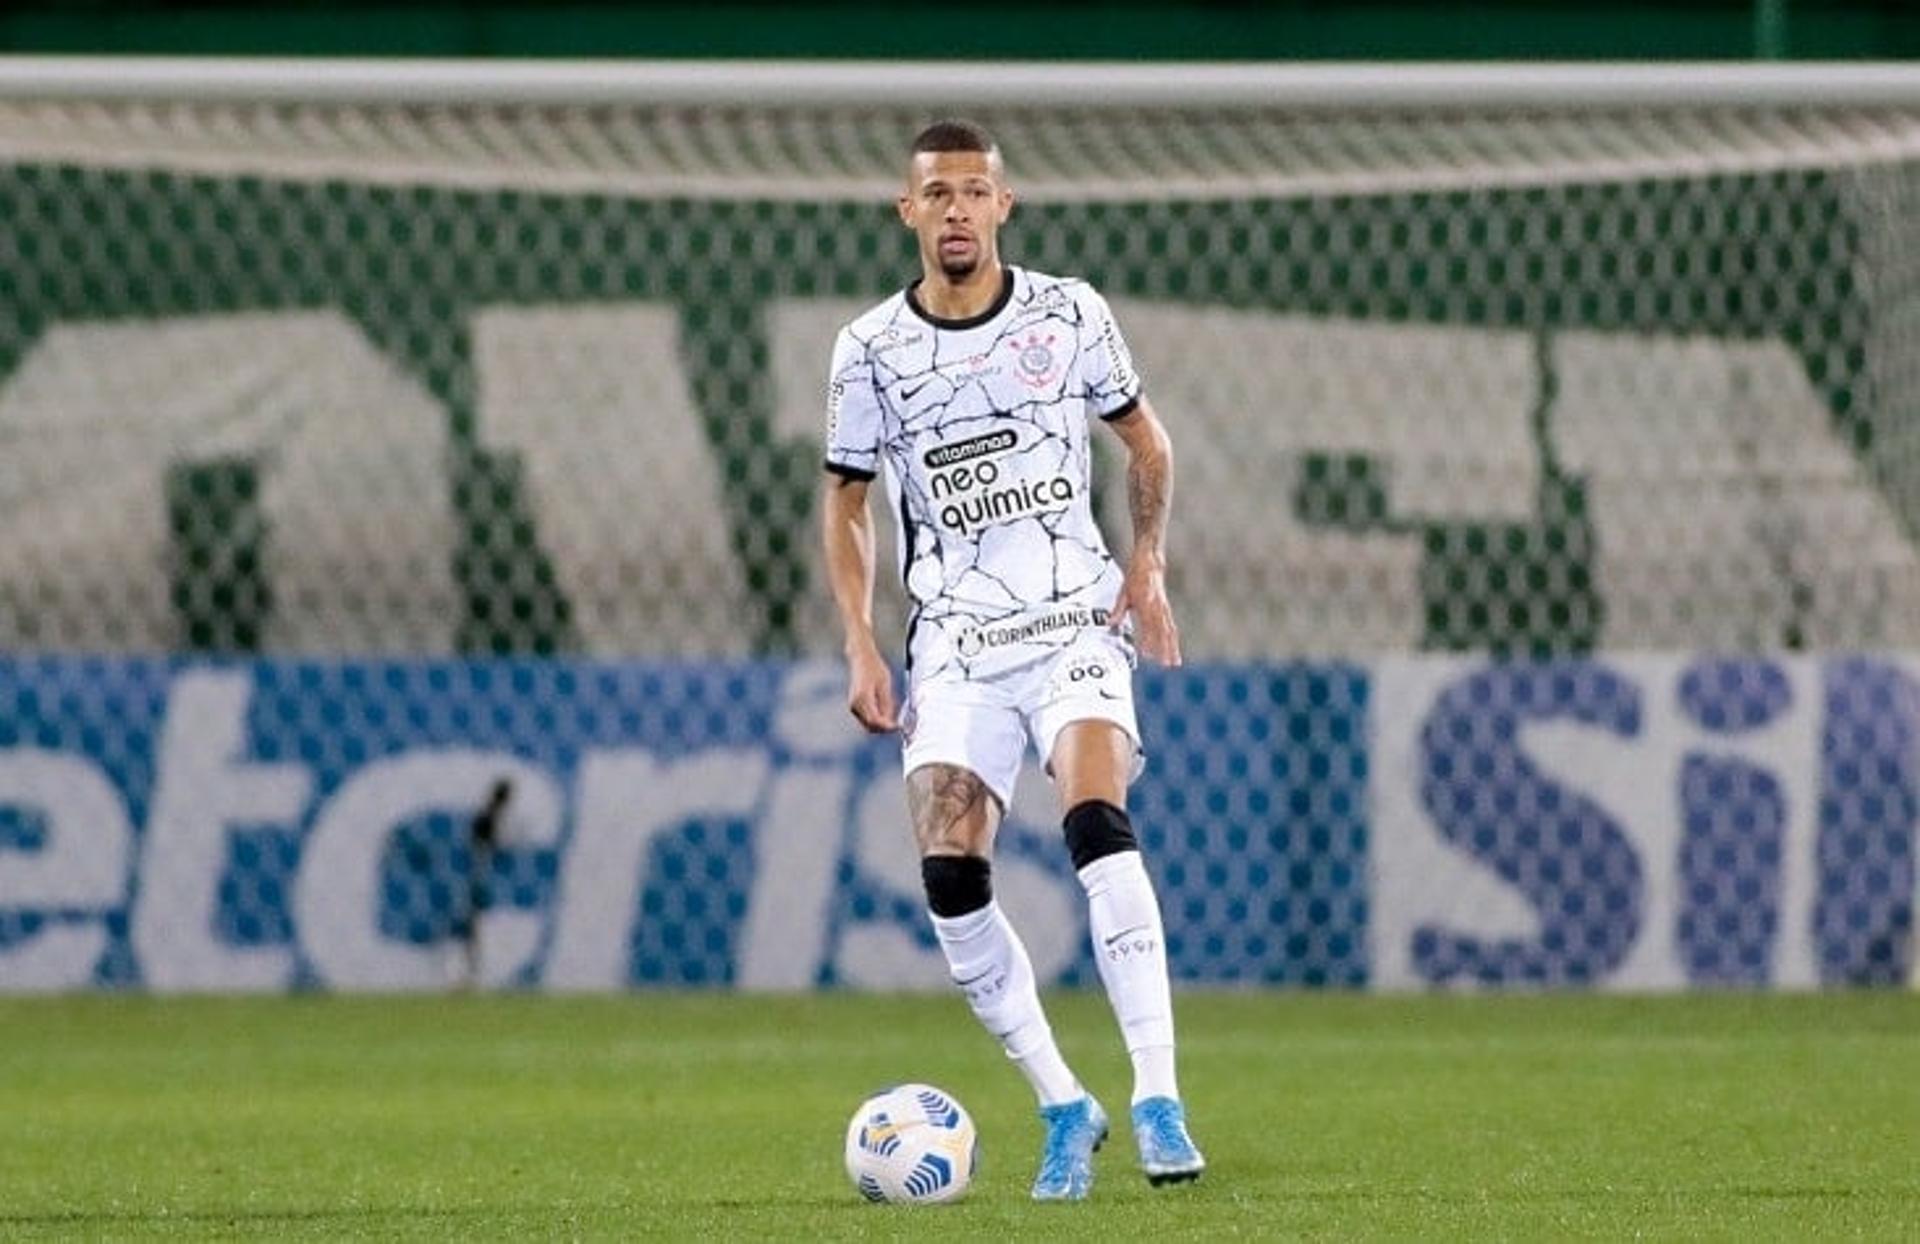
870 691
1143 597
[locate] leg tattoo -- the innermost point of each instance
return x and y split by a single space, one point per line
952 810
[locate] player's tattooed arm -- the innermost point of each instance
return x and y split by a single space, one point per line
952 810
1143 596
1149 485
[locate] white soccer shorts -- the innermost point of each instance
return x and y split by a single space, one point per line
984 725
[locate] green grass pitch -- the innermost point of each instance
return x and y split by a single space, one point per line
679 1116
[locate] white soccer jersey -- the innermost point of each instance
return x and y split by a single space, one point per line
981 426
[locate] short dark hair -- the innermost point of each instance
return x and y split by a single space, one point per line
954 136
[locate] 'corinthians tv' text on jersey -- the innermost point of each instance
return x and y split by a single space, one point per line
981 426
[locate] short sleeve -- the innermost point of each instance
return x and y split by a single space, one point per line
1112 386
853 411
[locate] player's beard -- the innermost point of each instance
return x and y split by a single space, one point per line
960 267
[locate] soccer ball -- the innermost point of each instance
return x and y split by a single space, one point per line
911 1144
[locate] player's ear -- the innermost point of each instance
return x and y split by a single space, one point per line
1006 203
904 205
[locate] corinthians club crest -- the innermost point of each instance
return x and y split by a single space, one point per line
1035 362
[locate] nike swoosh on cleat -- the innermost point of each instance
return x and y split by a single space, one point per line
1122 933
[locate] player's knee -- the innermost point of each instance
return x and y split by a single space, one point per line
956 884
1097 829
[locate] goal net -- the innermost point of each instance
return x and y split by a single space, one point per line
429 363
430 374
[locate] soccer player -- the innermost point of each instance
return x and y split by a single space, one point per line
974 390
483 835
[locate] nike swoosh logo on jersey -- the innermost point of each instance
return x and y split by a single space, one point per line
907 395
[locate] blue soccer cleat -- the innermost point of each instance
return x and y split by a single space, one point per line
1075 1130
1167 1153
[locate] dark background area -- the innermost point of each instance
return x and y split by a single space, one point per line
1060 29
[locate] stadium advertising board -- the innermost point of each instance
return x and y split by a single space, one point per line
1633 822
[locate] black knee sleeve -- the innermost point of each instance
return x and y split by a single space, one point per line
1096 829
956 884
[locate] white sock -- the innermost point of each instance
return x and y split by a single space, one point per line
1130 947
990 965
1153 1073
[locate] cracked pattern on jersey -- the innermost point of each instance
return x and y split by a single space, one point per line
983 433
